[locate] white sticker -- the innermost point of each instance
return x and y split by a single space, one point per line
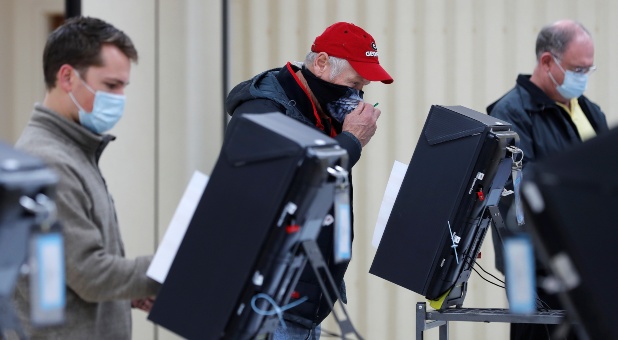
47 279
343 241
520 279
51 270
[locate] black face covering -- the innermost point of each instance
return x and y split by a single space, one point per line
324 91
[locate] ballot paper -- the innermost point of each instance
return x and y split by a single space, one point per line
177 228
390 194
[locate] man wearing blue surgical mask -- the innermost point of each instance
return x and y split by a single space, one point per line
86 65
107 107
550 114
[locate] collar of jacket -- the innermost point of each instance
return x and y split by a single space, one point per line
90 142
539 100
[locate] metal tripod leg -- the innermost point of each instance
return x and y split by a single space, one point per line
314 256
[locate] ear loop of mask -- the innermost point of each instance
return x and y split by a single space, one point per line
551 75
86 85
84 82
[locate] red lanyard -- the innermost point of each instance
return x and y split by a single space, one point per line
318 123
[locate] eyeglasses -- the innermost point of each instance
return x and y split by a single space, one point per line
578 70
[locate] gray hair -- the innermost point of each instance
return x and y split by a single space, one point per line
337 64
555 38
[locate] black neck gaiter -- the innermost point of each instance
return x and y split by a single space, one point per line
324 91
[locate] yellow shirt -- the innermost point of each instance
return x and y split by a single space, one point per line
584 128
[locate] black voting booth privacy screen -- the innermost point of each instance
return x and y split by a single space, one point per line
237 244
571 201
458 169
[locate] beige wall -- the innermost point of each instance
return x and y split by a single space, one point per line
439 52
173 122
129 162
6 88
447 52
24 29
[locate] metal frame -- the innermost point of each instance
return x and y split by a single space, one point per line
426 320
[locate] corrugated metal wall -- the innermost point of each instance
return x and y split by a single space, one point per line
446 52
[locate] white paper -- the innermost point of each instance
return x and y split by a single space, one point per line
390 194
177 228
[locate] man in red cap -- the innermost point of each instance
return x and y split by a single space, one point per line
325 92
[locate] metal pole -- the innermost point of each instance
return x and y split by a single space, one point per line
224 59
72 8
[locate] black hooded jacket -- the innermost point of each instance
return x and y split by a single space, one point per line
276 90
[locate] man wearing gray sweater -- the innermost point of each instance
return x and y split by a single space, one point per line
87 64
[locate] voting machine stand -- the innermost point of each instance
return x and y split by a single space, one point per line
447 201
569 199
429 319
313 255
253 231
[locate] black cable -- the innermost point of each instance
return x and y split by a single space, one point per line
476 263
540 304
469 260
544 306
482 277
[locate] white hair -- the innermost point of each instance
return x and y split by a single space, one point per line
337 64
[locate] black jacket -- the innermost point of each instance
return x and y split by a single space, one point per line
276 91
544 128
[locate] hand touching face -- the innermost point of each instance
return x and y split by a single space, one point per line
362 122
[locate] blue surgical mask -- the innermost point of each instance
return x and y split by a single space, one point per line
341 107
574 84
107 110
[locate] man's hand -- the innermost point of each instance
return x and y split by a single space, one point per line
362 122
143 304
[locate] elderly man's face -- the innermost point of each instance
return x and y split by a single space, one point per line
348 77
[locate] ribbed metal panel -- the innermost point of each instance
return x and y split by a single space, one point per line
447 52
439 52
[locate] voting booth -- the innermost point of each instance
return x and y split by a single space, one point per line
29 235
269 193
445 204
571 200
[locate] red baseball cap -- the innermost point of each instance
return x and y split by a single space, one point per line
352 43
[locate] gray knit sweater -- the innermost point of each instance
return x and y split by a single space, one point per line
100 281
